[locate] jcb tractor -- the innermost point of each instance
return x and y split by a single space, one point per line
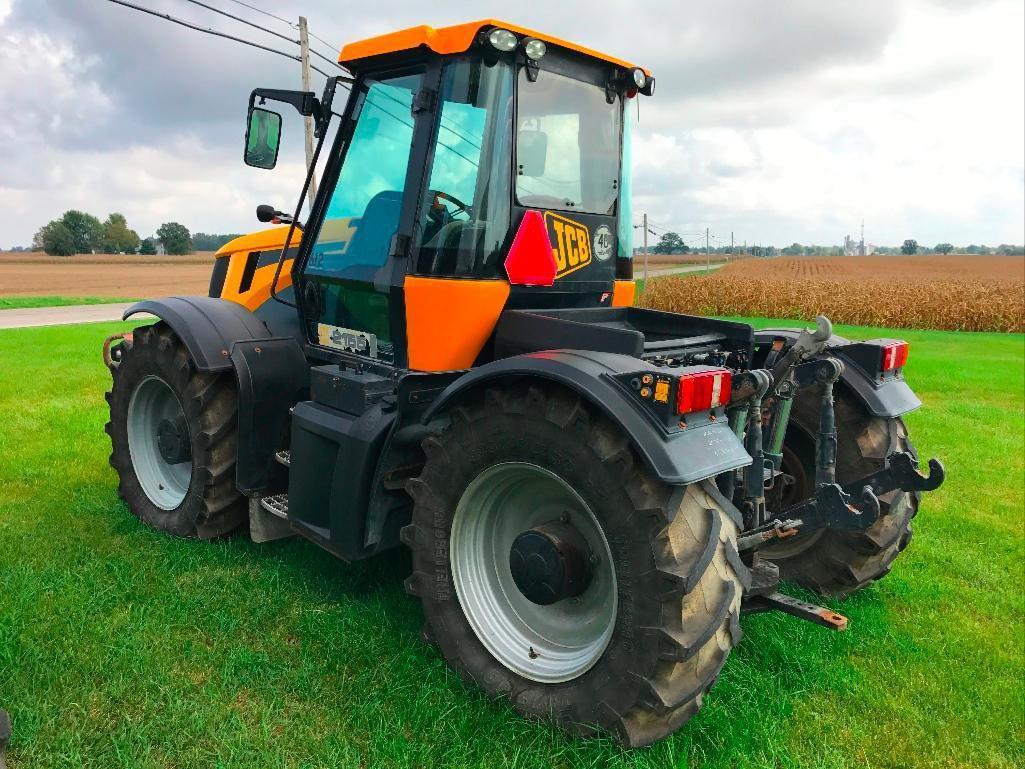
444 356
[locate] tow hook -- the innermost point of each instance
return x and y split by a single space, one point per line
112 358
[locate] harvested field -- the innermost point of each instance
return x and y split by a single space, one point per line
102 275
960 293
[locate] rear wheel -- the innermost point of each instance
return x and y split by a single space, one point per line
173 435
555 571
838 563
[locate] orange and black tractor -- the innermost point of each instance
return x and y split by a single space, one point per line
445 356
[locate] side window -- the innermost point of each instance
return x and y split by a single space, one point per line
464 217
363 214
350 253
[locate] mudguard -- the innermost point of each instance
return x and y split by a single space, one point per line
887 399
677 457
207 327
271 371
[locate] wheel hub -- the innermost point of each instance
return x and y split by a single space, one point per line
550 562
173 441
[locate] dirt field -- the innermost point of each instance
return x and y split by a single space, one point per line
966 293
100 275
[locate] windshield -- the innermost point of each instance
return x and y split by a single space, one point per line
567 145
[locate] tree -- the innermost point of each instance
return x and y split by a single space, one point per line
671 243
117 238
148 247
85 229
943 248
56 239
910 247
794 249
202 241
175 237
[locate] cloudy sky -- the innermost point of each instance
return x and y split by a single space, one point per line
778 120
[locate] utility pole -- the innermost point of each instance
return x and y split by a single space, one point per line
645 251
706 251
304 55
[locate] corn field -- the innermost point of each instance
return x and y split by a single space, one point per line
962 293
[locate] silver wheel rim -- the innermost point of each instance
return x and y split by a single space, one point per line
152 402
552 643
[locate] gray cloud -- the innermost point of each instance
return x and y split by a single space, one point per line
750 94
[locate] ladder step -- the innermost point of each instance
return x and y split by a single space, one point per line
276 504
284 457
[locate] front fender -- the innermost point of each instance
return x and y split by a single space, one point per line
892 398
207 327
677 457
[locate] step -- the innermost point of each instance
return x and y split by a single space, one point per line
276 504
284 457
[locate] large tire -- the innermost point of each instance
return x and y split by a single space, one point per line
201 499
678 578
838 563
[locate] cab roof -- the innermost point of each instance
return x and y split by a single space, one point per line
454 39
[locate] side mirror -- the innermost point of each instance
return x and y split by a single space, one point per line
531 153
263 138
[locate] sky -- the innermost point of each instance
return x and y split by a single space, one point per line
782 121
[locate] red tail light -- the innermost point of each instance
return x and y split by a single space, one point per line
895 355
703 390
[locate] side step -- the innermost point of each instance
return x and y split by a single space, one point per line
268 518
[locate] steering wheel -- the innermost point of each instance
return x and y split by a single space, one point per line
438 195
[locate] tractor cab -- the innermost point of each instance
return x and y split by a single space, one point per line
475 168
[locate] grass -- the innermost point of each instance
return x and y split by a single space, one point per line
122 647
29 302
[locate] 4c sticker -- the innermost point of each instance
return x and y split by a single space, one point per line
571 244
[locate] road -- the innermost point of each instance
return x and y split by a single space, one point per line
56 316
92 313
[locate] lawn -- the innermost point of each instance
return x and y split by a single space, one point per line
122 647
28 302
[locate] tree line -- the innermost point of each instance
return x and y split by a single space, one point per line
672 243
77 232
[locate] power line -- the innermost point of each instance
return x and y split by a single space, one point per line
263 29
265 13
215 33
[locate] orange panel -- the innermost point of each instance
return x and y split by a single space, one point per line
455 39
449 320
259 241
623 292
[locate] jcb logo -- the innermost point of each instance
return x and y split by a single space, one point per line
571 244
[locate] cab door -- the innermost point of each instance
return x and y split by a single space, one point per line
352 275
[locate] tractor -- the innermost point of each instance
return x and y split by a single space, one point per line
445 356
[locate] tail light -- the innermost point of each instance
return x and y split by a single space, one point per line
703 390
894 355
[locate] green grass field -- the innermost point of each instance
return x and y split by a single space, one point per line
28 302
122 647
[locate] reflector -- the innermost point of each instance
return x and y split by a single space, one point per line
531 261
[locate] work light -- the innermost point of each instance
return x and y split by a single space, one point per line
639 77
535 49
502 39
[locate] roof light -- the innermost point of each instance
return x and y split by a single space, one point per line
502 39
535 49
894 355
639 77
703 390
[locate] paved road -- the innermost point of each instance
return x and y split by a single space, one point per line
55 316
657 272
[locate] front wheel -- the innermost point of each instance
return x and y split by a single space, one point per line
173 437
555 571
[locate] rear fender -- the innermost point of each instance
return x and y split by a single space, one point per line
882 399
678 457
